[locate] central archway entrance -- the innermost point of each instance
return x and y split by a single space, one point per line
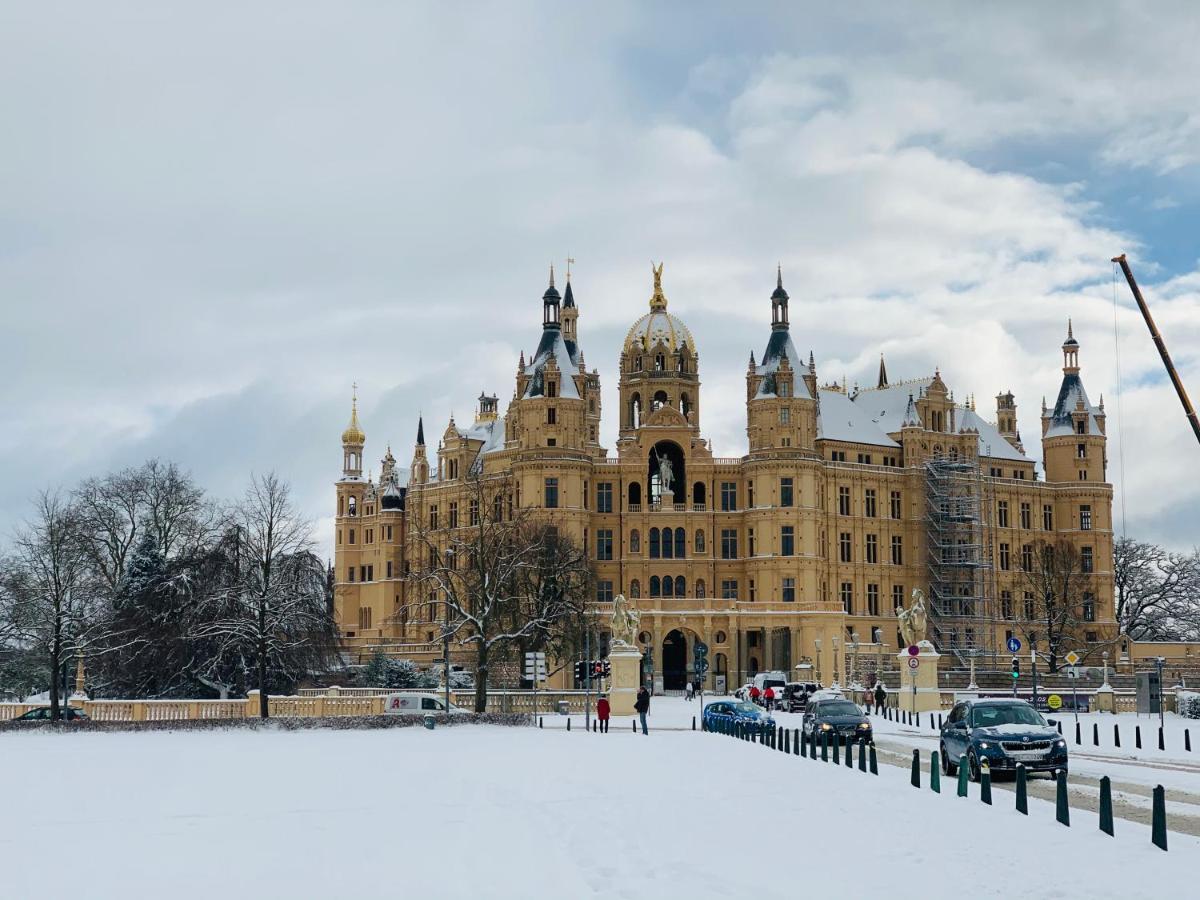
674 661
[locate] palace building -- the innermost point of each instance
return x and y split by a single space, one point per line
796 553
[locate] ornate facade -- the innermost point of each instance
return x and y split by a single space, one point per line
794 554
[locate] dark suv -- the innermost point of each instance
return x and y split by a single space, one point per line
796 694
1005 732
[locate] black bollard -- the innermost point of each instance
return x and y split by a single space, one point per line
1095 734
1158 825
935 772
1161 744
915 779
568 724
596 725
1116 735
803 749
1187 740
837 749
862 756
1078 735
939 721
1106 814
1060 727
1022 790
539 721
693 723
1062 810
1137 736
985 782
796 741
824 747
633 725
849 753
874 761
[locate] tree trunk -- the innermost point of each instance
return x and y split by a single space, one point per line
263 700
55 661
481 677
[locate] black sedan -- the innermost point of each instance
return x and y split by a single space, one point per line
838 718
42 714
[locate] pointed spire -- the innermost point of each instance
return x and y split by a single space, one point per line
812 364
354 433
911 418
752 363
883 381
568 295
551 274
420 431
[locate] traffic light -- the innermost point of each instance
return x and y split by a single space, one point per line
1016 668
581 671
597 669
607 668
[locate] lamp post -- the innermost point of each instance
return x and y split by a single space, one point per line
854 644
446 636
837 671
817 644
1105 682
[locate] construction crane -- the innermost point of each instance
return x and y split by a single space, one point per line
1162 347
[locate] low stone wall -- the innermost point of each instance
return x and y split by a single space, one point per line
334 723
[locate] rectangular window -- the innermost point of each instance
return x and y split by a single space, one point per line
351 535
1004 558
864 458
728 543
1002 513
1026 516
1089 608
1090 637
750 541
843 501
1029 608
1006 604
551 493
350 572
872 548
1081 451
845 551
848 597
604 543
837 455
551 415
1027 557
389 568
789 590
729 590
433 516
604 495
551 388
1047 517
1085 518
785 415
869 503
872 599
786 497
728 496
787 540
453 515
897 596
897 550
474 514
604 591
1087 560
753 597
895 504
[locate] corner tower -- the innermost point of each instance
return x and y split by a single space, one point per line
781 411
1073 437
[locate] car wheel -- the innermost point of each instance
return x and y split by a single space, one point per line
948 768
972 767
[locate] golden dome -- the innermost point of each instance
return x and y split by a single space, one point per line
658 325
354 433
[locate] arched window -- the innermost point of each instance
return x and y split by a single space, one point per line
341 506
635 411
700 540
685 404
660 363
680 586
498 508
953 453
699 588
635 589
635 494
698 493
635 541
668 586
352 506
668 548
637 364
654 586
680 543
654 545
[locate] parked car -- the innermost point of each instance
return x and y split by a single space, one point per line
1003 731
836 717
42 714
796 694
743 693
724 712
413 703
776 681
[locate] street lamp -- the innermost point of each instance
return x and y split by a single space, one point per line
837 671
817 644
1105 682
446 636
854 644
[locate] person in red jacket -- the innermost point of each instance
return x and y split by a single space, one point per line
754 693
769 698
602 713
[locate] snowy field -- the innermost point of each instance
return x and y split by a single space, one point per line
478 811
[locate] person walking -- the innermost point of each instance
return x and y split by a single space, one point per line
754 693
642 705
688 691
603 709
880 697
769 698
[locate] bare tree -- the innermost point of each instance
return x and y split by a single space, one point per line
494 577
48 591
1157 592
1060 590
270 615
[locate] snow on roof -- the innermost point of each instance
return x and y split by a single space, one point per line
992 444
780 344
841 419
1069 397
552 344
491 433
886 405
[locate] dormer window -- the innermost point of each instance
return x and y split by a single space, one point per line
660 363
551 388
1081 426
784 389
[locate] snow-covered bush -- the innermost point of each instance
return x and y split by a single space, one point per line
400 674
1187 704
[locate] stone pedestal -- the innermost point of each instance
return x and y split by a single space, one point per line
1105 699
626 664
928 696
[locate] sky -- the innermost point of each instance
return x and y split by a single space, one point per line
214 219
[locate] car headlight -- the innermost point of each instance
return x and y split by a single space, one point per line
983 745
825 726
1060 743
864 725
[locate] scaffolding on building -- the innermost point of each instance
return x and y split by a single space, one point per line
961 607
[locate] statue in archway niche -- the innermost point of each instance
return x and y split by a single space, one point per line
913 621
625 621
666 472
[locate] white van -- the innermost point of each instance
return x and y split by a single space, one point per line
774 680
416 704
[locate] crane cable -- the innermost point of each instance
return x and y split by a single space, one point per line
1120 416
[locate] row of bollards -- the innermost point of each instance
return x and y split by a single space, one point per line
1062 808
1137 736
796 743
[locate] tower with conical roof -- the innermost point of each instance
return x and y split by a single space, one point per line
780 408
418 472
1074 444
353 440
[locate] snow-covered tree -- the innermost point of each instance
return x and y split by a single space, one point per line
385 672
1157 592
1059 589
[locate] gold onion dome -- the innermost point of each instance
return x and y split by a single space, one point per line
354 433
658 325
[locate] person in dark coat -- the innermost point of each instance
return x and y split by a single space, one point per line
602 712
880 697
642 705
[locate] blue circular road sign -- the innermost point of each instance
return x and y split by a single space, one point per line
1013 645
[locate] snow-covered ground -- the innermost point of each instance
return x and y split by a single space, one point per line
476 811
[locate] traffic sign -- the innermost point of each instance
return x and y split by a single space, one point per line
914 650
1014 645
1072 671
1072 658
702 667
1054 701
913 662
701 649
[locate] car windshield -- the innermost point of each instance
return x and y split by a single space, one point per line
744 707
838 708
768 683
1009 714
